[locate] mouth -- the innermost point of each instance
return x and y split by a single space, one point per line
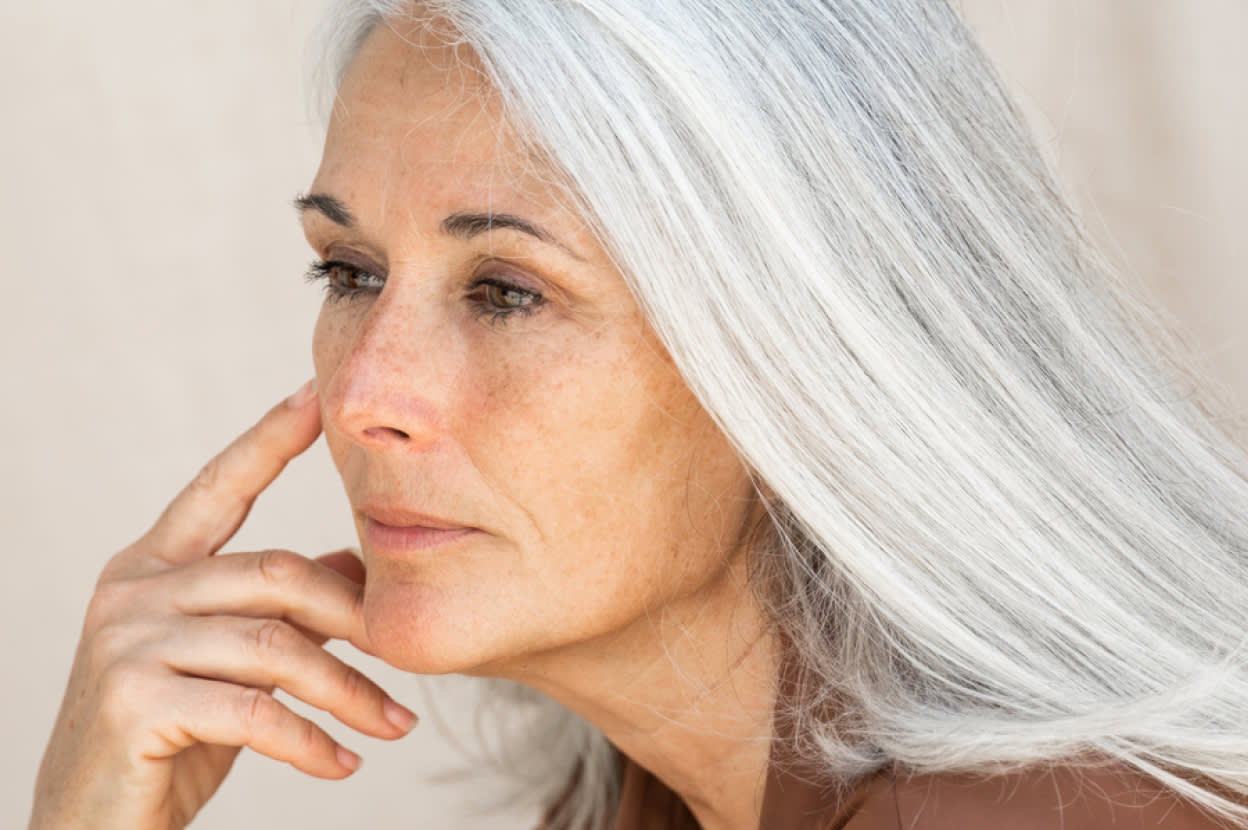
396 530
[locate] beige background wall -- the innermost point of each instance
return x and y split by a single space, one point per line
1144 106
154 304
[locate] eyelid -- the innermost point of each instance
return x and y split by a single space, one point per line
498 269
354 259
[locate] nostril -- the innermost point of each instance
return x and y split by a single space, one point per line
384 433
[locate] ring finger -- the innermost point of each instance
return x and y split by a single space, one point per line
268 653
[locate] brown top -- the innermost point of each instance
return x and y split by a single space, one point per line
1060 798
1055 797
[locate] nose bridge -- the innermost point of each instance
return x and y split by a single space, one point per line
392 382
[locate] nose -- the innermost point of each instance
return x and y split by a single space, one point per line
391 377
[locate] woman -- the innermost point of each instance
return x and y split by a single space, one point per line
729 374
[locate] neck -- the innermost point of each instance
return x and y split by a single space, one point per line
687 693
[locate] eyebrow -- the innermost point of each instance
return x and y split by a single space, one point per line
461 225
332 209
467 225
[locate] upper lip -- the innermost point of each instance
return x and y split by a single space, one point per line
398 516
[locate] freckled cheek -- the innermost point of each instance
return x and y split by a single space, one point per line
539 422
512 384
700 489
330 337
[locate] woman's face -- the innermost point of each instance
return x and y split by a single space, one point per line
528 473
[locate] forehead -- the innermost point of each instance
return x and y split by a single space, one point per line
415 121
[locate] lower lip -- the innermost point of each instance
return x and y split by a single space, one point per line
399 539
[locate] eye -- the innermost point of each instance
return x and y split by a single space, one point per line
344 281
498 302
502 296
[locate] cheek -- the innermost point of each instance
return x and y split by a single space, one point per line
640 496
696 491
616 492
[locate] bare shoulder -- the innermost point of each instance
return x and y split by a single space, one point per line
1061 798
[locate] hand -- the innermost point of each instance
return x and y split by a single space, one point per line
181 650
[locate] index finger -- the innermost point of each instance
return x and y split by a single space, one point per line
210 509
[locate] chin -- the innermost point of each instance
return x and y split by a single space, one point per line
427 630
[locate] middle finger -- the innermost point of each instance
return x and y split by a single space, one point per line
272 583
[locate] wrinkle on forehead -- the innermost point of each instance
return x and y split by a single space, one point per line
439 78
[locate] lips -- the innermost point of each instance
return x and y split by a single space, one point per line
396 516
393 529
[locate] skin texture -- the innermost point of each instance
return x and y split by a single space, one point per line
566 435
484 380
607 570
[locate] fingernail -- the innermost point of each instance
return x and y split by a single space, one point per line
305 394
402 717
348 759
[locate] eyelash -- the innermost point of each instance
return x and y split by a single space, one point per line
330 272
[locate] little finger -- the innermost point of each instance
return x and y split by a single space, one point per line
232 715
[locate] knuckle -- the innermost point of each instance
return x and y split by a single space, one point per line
257 709
309 735
208 478
272 635
355 685
108 644
121 692
119 642
278 567
214 484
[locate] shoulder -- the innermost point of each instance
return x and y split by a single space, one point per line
1058 798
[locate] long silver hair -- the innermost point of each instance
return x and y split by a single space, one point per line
1003 530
